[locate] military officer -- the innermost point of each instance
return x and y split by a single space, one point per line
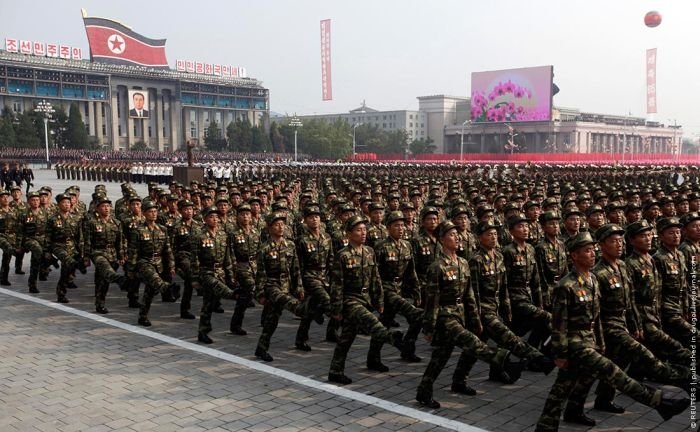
182 234
130 221
355 291
451 316
425 244
31 236
551 257
468 244
577 340
104 244
245 242
376 231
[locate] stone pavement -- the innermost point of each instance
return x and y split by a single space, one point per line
64 372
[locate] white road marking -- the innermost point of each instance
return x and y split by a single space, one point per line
260 367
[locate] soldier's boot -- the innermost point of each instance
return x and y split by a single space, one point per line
672 405
339 379
425 398
144 321
237 321
32 288
461 387
4 276
301 341
504 370
18 264
217 308
542 364
577 416
332 330
374 357
408 353
204 338
170 292
263 355
608 406
397 340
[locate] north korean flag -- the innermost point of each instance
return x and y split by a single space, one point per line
112 42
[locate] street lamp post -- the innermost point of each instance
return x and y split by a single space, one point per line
295 123
46 110
353 140
461 140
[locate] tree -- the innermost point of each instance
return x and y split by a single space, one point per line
58 127
139 146
76 134
25 132
260 141
214 140
276 138
240 136
7 130
422 146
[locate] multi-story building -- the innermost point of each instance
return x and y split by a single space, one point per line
182 104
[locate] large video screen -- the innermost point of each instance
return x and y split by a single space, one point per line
512 95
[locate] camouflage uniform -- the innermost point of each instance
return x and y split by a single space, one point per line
212 267
577 336
425 250
182 235
451 317
399 282
620 320
31 237
245 247
104 244
355 290
675 305
646 281
130 223
468 245
8 241
150 254
63 242
552 265
375 234
315 262
278 281
525 293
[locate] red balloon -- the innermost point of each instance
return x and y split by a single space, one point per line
652 19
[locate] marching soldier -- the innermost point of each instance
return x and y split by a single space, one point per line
376 231
452 318
63 242
130 221
104 244
245 242
425 244
577 340
551 257
277 283
355 290
690 249
185 231
31 237
212 264
8 238
150 254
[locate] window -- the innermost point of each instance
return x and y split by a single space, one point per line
17 106
410 124
149 132
119 130
193 132
104 129
383 125
410 116
422 125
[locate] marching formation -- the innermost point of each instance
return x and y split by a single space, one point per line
592 271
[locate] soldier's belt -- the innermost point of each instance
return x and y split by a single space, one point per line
362 290
580 327
450 300
249 258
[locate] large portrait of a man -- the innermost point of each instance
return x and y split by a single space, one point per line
138 104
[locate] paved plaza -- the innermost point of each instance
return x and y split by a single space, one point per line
64 368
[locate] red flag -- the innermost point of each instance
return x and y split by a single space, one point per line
326 83
112 42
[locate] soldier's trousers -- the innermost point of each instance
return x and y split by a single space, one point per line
154 284
622 348
245 275
585 363
395 304
316 293
8 250
663 346
67 258
677 327
356 317
526 317
105 274
132 285
184 265
19 258
450 332
37 251
496 330
213 290
277 301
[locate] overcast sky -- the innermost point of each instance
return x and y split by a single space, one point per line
388 52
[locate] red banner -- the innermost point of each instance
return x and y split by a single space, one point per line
112 42
326 82
651 81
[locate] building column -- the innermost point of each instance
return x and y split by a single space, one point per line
91 118
157 120
114 115
176 127
98 123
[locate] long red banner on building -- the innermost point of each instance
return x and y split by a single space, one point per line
326 81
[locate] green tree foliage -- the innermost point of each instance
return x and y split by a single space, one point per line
214 140
422 146
371 139
26 132
58 127
7 130
260 141
276 138
319 138
240 136
139 146
76 134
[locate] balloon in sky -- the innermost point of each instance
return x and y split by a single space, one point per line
652 19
